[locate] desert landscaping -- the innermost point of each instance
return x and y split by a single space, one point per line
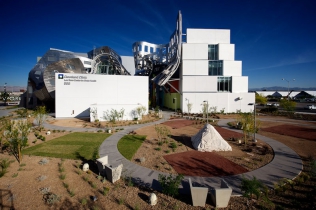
43 182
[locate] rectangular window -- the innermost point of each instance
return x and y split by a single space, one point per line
87 62
224 84
139 48
51 58
151 50
71 67
215 68
146 48
213 52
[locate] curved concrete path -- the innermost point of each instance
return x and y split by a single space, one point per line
286 163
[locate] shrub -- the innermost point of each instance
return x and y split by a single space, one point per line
83 201
158 148
105 191
41 178
170 184
43 161
251 187
62 176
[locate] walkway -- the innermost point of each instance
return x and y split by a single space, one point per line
286 163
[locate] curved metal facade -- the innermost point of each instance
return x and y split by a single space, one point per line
41 80
159 61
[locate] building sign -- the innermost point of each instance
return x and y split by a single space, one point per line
68 79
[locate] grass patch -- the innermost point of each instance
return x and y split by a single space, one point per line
71 146
129 144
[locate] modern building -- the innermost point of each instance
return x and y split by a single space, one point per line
201 70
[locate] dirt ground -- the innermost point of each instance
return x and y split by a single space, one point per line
22 187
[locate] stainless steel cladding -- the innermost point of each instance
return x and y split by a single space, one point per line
159 61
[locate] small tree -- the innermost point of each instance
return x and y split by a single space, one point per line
204 109
170 184
94 112
260 99
287 105
141 110
251 187
16 136
247 123
40 114
189 105
162 132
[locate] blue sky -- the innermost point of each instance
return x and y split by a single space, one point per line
274 39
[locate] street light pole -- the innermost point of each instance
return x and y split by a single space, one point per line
206 111
288 88
254 112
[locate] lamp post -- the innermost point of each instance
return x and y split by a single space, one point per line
254 111
5 94
288 87
206 111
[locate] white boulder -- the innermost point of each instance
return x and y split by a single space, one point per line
152 199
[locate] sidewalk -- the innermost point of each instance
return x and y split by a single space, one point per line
286 163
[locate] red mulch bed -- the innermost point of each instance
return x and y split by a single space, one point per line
291 130
227 134
205 164
178 123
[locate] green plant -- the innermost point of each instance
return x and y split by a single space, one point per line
83 201
71 193
65 185
61 169
158 148
170 184
40 114
129 144
15 132
162 132
167 151
15 175
93 185
251 187
105 191
121 201
62 176
85 178
51 198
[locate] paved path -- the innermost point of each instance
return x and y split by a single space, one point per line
286 163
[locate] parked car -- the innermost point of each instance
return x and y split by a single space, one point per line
269 104
275 104
310 107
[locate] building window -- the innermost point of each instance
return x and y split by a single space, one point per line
51 58
146 48
71 67
224 84
213 52
87 62
215 68
151 49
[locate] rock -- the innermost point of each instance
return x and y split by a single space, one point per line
85 167
152 199
48 133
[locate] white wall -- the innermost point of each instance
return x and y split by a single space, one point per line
195 51
74 96
239 84
195 67
232 68
226 52
199 84
209 36
229 101
129 64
